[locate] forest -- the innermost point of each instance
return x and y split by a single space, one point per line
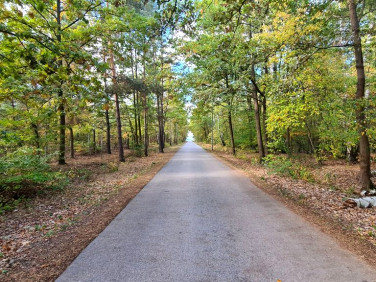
84 77
97 95
286 77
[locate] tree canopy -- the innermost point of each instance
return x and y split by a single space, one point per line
272 76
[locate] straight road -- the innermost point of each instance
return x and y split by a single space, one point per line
199 220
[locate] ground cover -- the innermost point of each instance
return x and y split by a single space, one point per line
44 234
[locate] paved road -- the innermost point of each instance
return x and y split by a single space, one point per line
199 220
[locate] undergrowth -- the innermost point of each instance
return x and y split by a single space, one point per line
25 173
284 166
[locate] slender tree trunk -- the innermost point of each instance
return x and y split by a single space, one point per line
229 115
37 136
146 134
137 105
364 148
256 109
231 132
145 106
163 134
264 132
249 115
108 133
135 118
139 116
160 124
107 115
94 142
60 92
118 123
117 106
176 137
310 139
288 141
212 130
160 136
71 142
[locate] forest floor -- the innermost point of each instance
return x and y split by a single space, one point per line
315 192
43 235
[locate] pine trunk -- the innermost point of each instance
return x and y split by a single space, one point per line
60 93
108 133
71 142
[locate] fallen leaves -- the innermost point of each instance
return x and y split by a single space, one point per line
28 232
332 184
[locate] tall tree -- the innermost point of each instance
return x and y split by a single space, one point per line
364 148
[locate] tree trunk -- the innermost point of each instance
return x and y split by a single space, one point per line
117 106
146 134
145 106
118 116
264 133
131 127
160 124
212 130
60 93
364 149
108 133
256 109
176 137
135 118
145 111
230 120
249 115
127 146
139 116
288 142
71 142
36 133
94 142
231 132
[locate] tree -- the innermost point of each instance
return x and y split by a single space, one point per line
364 148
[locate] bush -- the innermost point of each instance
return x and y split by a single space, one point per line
24 173
138 151
286 167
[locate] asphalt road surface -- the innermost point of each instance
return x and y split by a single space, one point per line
199 220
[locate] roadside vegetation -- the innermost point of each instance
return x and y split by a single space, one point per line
286 77
43 232
286 91
90 108
82 78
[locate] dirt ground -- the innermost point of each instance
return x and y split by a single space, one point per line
43 235
319 200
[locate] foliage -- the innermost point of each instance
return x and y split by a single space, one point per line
285 71
287 167
24 173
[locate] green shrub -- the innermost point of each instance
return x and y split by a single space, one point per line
279 165
286 167
138 150
24 173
